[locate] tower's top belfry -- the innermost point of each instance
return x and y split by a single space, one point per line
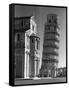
52 18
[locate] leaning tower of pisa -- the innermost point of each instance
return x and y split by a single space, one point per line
50 46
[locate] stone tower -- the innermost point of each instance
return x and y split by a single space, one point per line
50 47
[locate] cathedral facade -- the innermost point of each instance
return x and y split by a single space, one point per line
26 48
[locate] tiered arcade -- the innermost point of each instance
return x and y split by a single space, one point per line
50 47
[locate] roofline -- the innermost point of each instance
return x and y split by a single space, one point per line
23 17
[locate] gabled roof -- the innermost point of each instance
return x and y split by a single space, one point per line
34 35
26 17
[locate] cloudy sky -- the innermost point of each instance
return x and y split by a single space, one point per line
40 14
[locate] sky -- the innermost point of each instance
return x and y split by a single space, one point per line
40 14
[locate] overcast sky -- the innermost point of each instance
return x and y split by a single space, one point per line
40 14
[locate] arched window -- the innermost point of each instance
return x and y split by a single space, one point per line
55 21
52 17
18 37
49 21
32 41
